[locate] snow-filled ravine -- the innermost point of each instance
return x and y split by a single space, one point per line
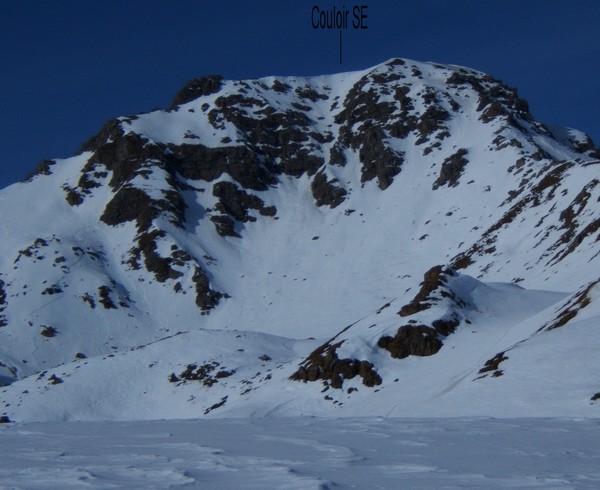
303 453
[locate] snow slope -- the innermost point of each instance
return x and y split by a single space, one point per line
303 453
243 228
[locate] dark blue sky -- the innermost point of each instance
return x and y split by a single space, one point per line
68 66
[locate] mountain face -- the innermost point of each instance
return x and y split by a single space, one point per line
404 240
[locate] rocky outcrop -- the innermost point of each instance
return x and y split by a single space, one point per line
495 98
411 340
203 373
285 139
241 163
327 192
3 304
206 297
452 169
324 364
42 168
236 202
434 279
197 88
573 306
363 121
110 131
422 340
493 366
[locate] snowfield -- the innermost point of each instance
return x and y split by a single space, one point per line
380 279
236 373
304 453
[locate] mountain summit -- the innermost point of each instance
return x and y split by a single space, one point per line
405 240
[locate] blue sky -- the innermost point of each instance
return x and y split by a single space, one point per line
69 66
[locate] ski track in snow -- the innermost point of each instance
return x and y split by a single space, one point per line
303 453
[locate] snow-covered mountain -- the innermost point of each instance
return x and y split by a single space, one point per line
405 240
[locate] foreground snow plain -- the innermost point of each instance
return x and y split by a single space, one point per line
303 453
